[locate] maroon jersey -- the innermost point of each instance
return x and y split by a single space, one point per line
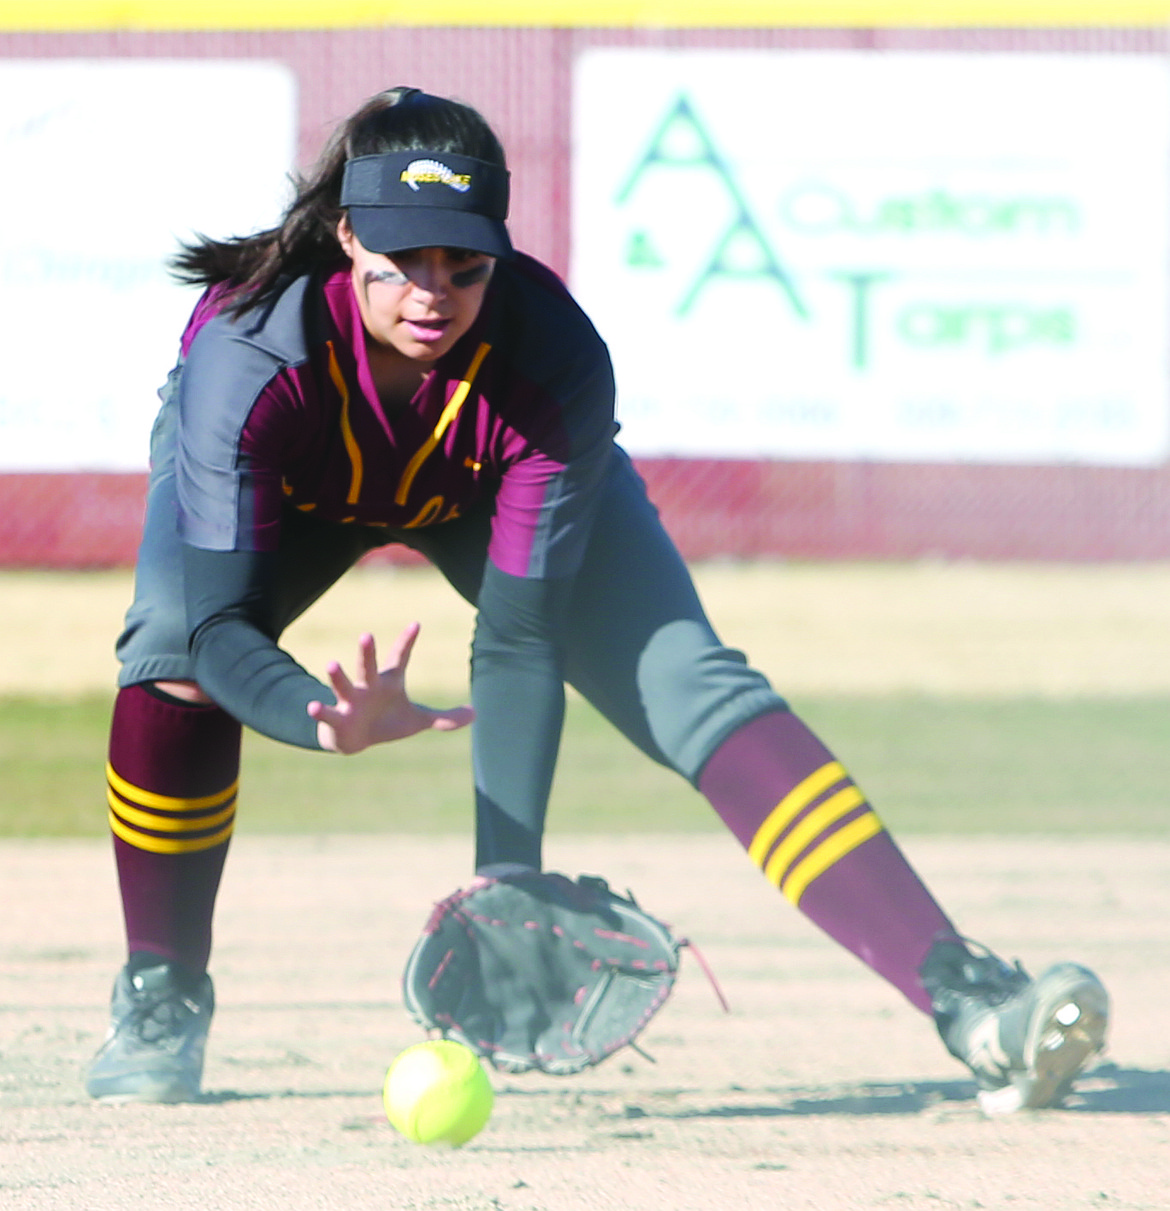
278 416
280 409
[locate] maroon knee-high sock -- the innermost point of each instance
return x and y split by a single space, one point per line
173 775
805 823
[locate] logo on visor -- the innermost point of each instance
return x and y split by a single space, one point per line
431 172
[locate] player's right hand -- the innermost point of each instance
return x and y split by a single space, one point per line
374 708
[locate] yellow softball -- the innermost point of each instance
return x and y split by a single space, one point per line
438 1093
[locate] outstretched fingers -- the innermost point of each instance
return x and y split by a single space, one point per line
451 719
374 708
401 648
342 686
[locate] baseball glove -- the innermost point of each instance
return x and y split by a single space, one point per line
538 971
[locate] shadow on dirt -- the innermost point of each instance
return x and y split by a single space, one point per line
865 1099
1110 1089
217 1097
1107 1089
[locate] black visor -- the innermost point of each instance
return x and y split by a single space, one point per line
425 199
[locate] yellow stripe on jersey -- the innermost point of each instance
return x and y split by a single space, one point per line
830 851
351 446
793 803
450 412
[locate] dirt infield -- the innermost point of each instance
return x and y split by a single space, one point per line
821 1090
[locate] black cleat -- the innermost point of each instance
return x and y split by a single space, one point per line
1025 1040
153 1051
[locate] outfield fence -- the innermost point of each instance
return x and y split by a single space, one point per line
1043 505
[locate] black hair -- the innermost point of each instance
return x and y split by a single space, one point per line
399 119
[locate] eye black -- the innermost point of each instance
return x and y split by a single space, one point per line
471 276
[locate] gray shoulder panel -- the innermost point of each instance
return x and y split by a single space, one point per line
230 364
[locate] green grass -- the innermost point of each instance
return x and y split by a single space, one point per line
928 765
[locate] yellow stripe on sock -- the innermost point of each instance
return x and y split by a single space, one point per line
797 799
803 835
168 845
843 841
169 824
168 803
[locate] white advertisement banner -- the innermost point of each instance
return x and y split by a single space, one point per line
108 163
889 256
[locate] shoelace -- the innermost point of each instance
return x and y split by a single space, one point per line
964 968
988 977
157 1015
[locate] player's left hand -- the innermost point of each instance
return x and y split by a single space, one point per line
374 708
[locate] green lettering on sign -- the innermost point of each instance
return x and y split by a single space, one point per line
743 251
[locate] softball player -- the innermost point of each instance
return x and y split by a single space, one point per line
384 368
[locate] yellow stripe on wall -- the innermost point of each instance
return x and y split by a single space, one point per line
319 14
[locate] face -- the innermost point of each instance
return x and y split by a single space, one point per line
420 302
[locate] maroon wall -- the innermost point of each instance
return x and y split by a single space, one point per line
520 79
